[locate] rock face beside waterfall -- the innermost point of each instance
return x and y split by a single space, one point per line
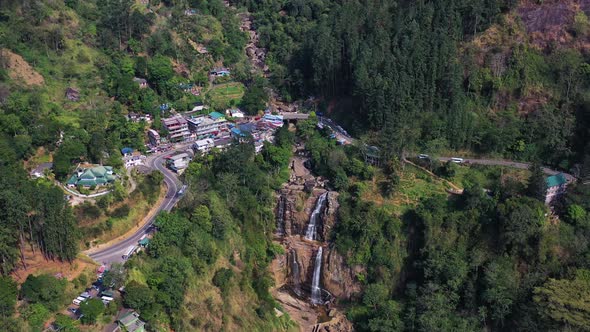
300 258
338 278
297 209
329 215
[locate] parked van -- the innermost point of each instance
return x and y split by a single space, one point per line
457 160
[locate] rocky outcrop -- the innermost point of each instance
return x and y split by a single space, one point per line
338 278
338 323
303 253
296 208
329 215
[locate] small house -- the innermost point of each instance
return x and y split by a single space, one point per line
72 94
556 187
132 158
223 143
144 242
235 113
130 322
178 162
204 145
372 155
198 106
220 72
40 171
142 82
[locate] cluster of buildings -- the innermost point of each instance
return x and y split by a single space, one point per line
212 130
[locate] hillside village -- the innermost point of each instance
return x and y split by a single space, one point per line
294 166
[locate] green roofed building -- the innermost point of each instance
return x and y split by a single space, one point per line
144 242
216 115
92 177
130 322
556 185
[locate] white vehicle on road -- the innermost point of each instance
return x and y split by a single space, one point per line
457 160
129 252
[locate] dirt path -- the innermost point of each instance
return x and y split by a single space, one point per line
131 180
451 184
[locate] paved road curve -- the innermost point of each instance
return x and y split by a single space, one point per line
509 163
115 252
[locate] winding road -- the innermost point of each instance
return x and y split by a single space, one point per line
509 163
114 252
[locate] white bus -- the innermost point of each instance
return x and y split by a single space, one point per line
129 252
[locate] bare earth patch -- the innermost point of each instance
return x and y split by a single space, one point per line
20 70
37 264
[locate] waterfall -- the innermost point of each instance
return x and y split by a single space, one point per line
295 273
316 292
311 232
281 216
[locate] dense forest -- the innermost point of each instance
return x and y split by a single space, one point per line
409 76
415 75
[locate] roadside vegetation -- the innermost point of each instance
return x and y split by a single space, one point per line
210 254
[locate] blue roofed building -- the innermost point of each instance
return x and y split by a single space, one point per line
126 151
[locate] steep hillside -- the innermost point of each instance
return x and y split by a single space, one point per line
69 73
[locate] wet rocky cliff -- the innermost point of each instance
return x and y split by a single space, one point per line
306 214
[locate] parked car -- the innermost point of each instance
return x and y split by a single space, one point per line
423 156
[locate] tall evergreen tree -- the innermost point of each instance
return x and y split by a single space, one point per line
537 186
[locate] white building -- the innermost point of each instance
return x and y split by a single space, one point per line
134 159
178 162
203 145
205 125
198 107
235 113
153 137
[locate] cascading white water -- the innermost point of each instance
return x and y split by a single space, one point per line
311 231
316 292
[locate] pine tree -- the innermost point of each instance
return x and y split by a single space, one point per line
537 187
